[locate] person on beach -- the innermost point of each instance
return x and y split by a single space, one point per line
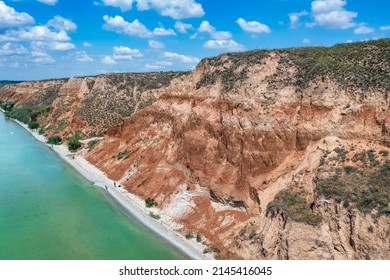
106 188
114 184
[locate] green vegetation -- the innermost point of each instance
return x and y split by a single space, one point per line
149 202
293 205
61 125
91 144
54 140
41 130
33 125
27 114
243 231
189 235
252 235
365 191
341 154
349 169
154 216
74 142
6 105
206 250
199 237
384 153
123 154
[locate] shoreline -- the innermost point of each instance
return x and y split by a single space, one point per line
133 205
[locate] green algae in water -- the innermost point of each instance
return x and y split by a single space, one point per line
48 211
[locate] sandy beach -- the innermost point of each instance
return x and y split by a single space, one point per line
164 227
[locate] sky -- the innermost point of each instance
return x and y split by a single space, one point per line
43 39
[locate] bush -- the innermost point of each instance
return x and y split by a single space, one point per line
189 235
198 237
384 153
41 130
73 142
206 250
154 216
350 169
123 154
54 140
92 144
294 206
33 125
149 202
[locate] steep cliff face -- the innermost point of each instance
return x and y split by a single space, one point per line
268 154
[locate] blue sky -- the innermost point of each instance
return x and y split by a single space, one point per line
42 39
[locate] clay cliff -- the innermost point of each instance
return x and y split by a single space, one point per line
268 154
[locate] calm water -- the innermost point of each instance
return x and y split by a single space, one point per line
48 211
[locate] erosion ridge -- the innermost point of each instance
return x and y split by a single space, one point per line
268 154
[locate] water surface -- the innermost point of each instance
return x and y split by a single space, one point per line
48 211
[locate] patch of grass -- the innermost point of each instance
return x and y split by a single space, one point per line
122 154
61 125
91 144
54 140
154 216
293 205
349 169
149 202
27 114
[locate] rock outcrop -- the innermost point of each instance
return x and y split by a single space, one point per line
268 154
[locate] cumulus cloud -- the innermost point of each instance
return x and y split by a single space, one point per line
35 33
44 60
9 18
206 27
61 46
61 23
119 25
12 49
48 2
332 14
87 45
230 45
125 53
158 65
182 27
173 8
124 5
385 28
181 58
363 29
161 31
306 41
253 26
156 44
295 18
108 60
82 56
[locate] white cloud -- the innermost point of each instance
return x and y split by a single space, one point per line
363 29
119 25
125 53
35 33
158 65
156 44
385 28
61 23
176 9
48 2
253 26
223 44
108 60
10 18
206 27
61 46
306 41
87 45
12 49
82 56
182 27
295 18
332 14
181 58
161 31
44 60
124 5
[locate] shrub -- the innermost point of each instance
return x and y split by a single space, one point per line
154 216
41 130
92 144
350 169
54 140
294 206
73 144
198 237
252 234
384 153
123 154
149 202
33 125
206 250
189 235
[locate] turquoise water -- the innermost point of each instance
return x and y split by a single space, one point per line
49 212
